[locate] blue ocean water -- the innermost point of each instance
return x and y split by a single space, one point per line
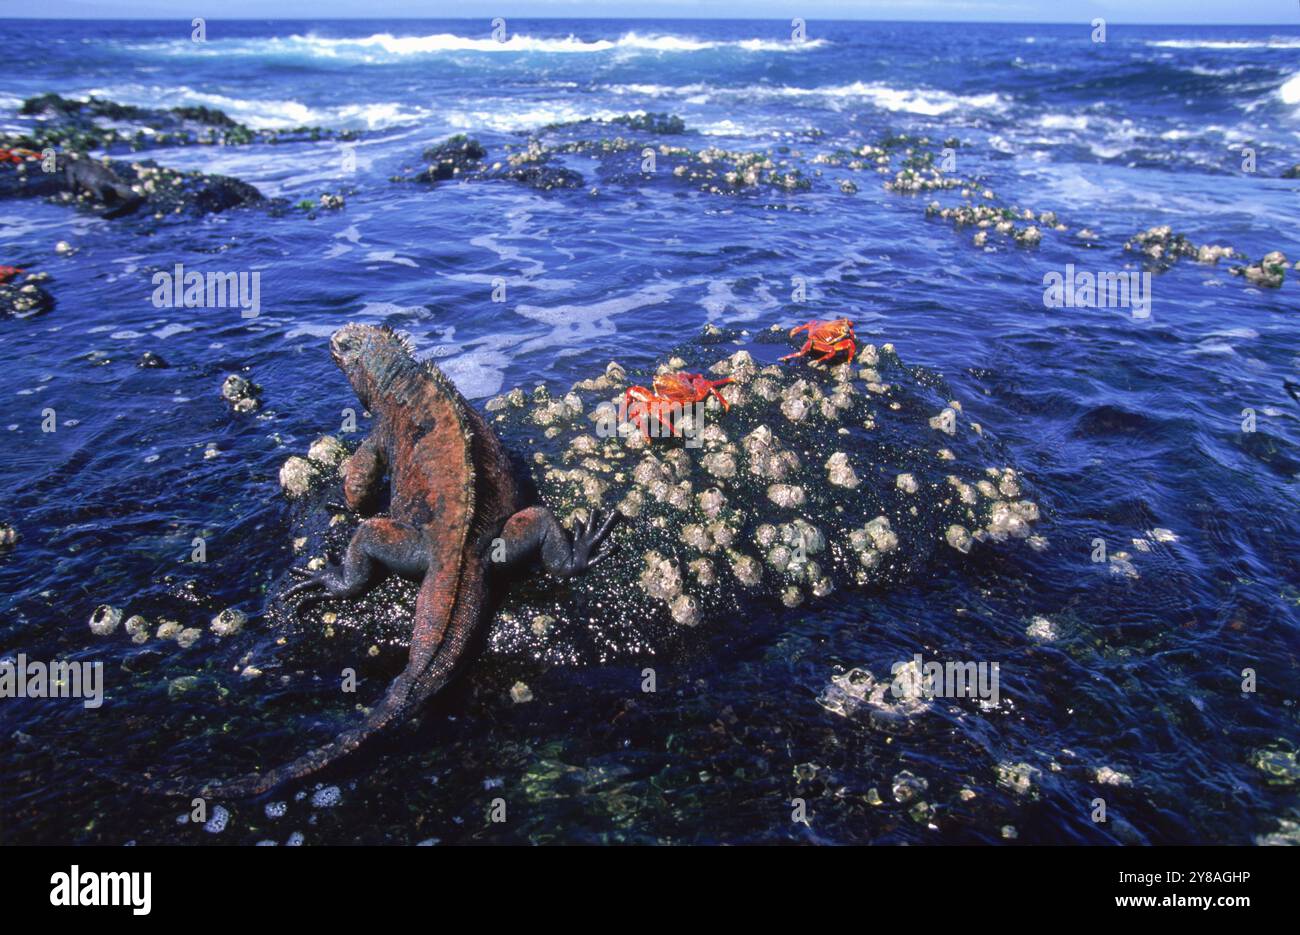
1125 425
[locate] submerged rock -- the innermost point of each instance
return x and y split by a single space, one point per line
1161 246
23 295
116 189
765 507
452 157
242 394
98 123
462 157
1281 765
1268 272
658 124
755 513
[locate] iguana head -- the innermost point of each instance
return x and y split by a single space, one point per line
370 357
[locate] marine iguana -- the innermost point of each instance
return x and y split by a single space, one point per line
453 508
101 183
116 189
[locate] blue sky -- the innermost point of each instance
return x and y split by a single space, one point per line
1033 11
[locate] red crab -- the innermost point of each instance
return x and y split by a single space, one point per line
16 155
7 273
826 337
672 392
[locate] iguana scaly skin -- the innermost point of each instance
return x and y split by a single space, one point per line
452 495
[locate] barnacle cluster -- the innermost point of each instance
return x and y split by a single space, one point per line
816 480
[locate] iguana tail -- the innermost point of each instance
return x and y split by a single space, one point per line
436 651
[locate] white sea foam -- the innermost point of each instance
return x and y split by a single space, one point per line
390 256
921 101
1248 333
1106 137
925 101
272 113
570 321
169 330
1212 348
1275 42
310 330
1062 122
478 372
502 114
1290 91
448 42
721 302
514 282
382 47
506 116
1205 72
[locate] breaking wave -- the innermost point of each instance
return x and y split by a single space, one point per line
1290 91
1276 42
384 46
924 101
272 114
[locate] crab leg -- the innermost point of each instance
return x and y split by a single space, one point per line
802 351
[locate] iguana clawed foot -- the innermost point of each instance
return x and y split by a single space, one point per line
590 536
298 597
335 579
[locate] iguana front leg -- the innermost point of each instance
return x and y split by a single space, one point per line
535 532
363 474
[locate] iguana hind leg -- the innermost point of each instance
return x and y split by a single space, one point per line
535 532
378 546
